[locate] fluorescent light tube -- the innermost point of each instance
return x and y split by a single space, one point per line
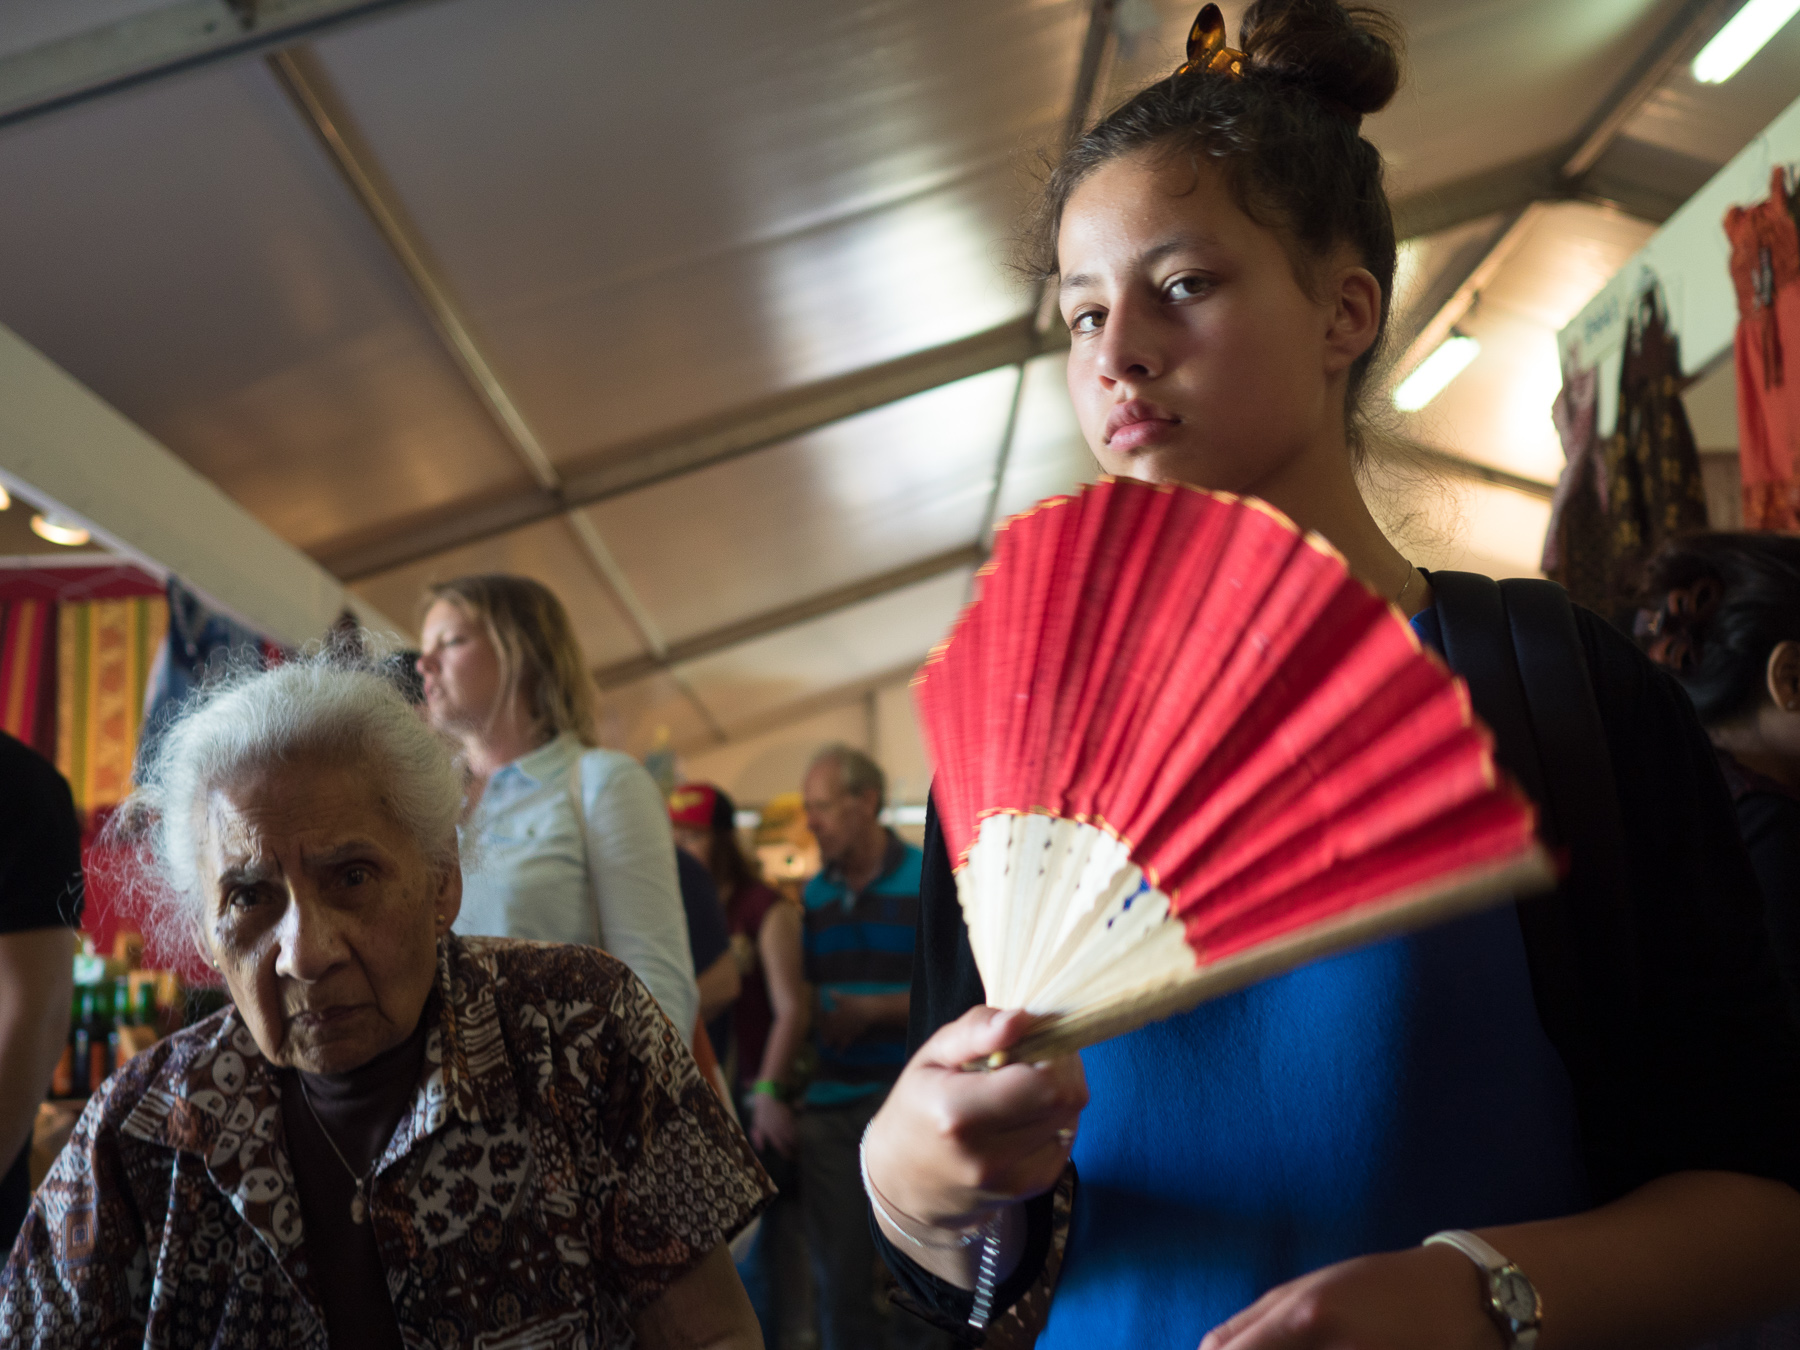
1438 369
1747 33
59 531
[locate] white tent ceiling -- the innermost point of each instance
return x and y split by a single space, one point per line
699 312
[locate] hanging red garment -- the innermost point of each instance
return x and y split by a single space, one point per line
28 672
1765 269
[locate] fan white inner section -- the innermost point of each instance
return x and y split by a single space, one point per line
1061 919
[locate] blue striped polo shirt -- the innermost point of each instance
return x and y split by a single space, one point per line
861 942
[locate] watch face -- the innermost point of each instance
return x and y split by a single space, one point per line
1515 1297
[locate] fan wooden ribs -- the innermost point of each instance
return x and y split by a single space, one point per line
1179 748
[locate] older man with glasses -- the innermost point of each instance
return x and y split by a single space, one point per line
861 910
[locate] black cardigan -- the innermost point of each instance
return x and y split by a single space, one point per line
1704 1075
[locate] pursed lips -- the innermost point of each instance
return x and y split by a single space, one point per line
1137 422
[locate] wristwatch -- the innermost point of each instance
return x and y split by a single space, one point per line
1513 1302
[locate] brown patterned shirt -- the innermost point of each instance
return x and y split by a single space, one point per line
561 1164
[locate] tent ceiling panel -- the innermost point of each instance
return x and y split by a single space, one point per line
190 256
1712 122
637 717
873 641
860 497
1572 250
753 197
547 552
27 25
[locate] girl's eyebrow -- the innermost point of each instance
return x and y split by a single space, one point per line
1154 254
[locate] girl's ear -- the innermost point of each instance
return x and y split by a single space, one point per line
1355 318
1783 676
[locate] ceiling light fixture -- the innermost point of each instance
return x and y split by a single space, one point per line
1747 33
5 498
1437 370
59 531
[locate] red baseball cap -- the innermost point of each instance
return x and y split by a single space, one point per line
693 805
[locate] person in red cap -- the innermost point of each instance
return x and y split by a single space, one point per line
769 1023
770 1016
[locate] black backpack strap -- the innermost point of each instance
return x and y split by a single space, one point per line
1579 776
1478 646
1516 646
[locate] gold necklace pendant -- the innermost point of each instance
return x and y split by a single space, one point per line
359 1207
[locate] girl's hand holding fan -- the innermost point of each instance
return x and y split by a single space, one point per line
1179 749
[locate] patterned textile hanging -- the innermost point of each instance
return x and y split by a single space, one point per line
199 642
1654 490
1577 544
104 649
28 672
1765 270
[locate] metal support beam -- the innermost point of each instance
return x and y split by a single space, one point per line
1579 171
1501 191
686 449
1691 25
788 616
307 84
1435 329
1405 326
161 42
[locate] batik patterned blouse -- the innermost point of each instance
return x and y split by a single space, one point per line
561 1164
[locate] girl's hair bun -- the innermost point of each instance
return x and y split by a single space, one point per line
1347 55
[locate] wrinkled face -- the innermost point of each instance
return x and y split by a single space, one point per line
1195 356
838 819
461 669
322 913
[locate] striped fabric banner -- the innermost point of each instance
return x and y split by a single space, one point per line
28 672
104 650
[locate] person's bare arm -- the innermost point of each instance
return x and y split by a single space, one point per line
706 1309
35 986
1679 1261
854 1014
720 984
779 943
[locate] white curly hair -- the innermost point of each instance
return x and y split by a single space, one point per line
246 718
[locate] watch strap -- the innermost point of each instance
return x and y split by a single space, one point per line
1481 1253
1503 1279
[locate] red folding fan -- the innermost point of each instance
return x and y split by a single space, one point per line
1179 749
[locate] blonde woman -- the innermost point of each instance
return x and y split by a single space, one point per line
571 841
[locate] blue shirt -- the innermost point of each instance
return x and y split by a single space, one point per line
570 844
1354 1105
861 942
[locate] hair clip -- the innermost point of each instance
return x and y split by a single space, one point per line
1206 49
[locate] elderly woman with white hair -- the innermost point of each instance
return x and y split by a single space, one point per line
395 1135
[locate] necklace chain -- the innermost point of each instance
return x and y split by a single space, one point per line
359 1205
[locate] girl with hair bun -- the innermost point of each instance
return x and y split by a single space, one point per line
1726 621
1602 1083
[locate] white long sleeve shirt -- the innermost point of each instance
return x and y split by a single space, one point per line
569 844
